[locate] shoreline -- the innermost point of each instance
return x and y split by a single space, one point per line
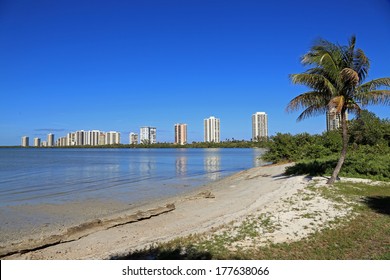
229 200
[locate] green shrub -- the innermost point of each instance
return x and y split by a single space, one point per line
371 162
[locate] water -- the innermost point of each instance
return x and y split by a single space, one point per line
35 176
46 190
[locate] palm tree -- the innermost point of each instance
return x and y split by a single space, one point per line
336 81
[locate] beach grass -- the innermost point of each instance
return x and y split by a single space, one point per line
363 234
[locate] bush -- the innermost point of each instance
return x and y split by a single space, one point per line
284 147
362 162
368 153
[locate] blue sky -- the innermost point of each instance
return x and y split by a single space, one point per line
69 65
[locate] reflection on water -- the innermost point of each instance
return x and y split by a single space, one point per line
212 166
181 166
147 165
58 175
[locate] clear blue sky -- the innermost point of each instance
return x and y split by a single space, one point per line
68 65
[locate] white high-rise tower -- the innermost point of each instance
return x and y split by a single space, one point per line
25 141
212 130
148 135
50 140
259 126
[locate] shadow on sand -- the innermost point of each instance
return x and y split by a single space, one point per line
312 168
166 254
380 204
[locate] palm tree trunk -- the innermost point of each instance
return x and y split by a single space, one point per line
343 154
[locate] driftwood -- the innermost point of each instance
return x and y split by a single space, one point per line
82 230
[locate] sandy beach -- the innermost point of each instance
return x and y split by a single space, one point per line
260 190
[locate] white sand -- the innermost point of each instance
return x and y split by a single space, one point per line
293 210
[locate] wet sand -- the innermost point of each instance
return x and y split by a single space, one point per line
228 200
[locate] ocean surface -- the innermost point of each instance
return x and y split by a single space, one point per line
46 190
33 176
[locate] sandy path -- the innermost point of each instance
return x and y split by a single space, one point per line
230 199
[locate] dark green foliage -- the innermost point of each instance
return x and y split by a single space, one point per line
316 155
287 147
363 162
312 167
368 129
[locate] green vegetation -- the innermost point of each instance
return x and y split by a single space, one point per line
365 234
316 155
336 82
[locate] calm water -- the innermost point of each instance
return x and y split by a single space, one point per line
35 176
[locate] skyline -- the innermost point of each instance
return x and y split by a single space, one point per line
68 66
148 133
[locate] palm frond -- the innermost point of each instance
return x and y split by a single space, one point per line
321 50
349 76
374 84
351 48
314 81
307 99
314 110
374 97
361 64
352 42
354 108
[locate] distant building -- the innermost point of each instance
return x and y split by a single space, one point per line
102 138
212 130
133 138
25 141
61 142
148 135
50 140
259 126
80 136
181 134
93 137
71 139
333 119
112 138
37 142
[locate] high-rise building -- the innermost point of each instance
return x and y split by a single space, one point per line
333 119
113 137
259 126
102 138
91 137
71 139
148 135
212 130
37 142
50 140
80 138
133 138
25 141
61 142
181 133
